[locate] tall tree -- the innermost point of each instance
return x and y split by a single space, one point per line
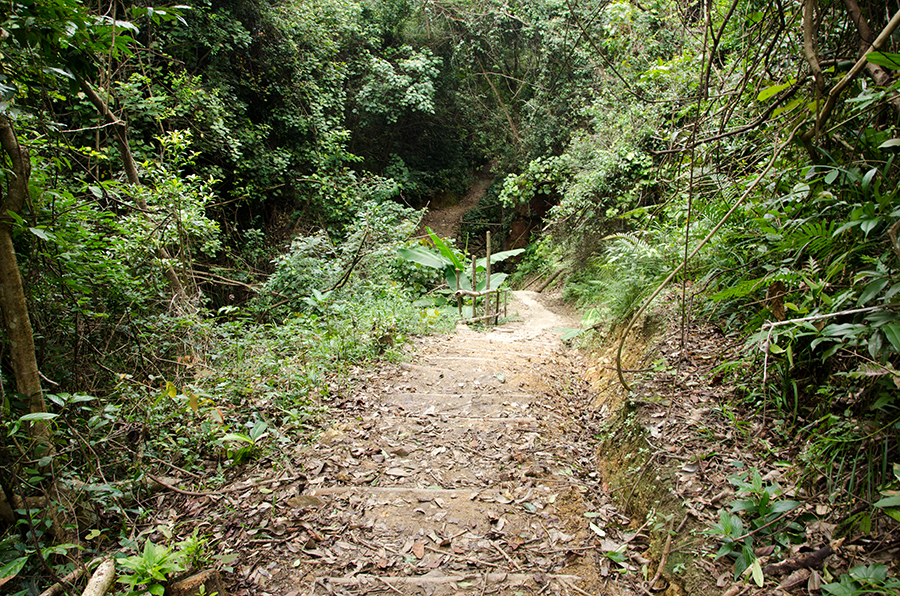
13 303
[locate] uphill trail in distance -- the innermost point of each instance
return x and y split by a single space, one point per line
445 221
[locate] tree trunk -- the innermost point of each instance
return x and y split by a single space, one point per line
865 33
867 39
12 294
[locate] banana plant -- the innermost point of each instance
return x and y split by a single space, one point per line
446 260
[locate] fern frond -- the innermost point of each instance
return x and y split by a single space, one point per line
741 289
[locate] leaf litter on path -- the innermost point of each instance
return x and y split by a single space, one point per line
461 472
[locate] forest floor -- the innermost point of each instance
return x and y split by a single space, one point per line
501 461
466 471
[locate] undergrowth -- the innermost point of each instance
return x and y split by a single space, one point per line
219 395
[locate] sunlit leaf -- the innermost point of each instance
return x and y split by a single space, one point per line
757 573
12 569
425 257
193 401
38 416
884 59
892 501
773 90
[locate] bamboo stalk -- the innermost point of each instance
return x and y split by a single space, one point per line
481 318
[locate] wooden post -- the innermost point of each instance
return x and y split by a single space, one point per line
459 299
474 287
487 285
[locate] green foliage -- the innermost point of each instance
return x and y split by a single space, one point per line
454 266
864 579
311 121
251 443
541 176
317 262
150 569
890 501
194 550
618 279
407 84
761 507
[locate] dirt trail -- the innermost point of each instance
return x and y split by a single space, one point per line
459 473
445 221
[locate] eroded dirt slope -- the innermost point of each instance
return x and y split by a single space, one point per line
444 220
462 472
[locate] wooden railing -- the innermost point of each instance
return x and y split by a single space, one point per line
491 311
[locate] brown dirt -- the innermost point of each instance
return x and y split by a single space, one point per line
446 213
464 471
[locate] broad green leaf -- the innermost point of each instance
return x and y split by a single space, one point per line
450 276
892 333
258 430
773 90
831 176
837 589
237 437
725 521
867 225
40 234
425 257
757 573
12 569
869 573
884 59
892 501
867 179
38 416
15 217
871 290
59 71
787 107
741 564
445 250
782 506
497 280
497 257
570 333
889 143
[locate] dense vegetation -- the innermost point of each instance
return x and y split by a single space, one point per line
204 205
